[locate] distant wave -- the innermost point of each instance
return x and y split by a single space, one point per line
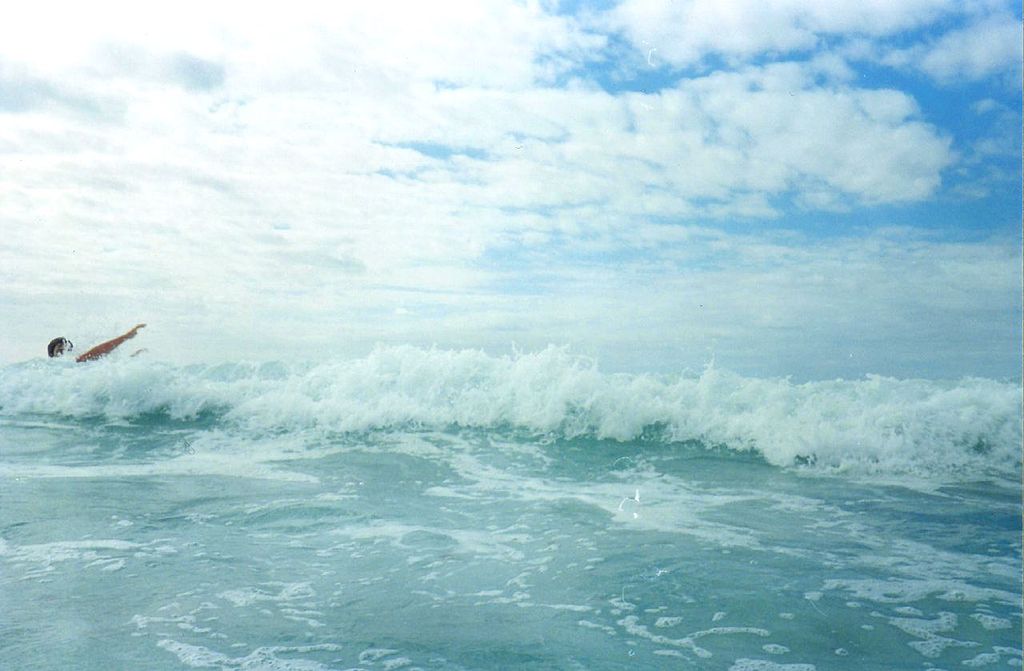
875 424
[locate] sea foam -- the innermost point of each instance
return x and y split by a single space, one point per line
875 424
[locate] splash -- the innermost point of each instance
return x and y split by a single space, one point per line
875 424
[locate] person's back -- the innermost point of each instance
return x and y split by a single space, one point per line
59 346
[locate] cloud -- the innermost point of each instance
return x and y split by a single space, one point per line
276 182
980 39
21 92
125 60
990 46
435 174
391 179
711 145
687 33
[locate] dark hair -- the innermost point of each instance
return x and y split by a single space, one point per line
59 346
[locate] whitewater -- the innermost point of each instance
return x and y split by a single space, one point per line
452 509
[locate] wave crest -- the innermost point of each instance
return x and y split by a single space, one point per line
877 423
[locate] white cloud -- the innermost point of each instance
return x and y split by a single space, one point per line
479 43
985 41
712 145
280 182
339 170
687 32
991 46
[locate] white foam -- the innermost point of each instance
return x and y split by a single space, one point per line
923 628
763 665
669 653
934 646
663 622
874 425
903 591
286 592
631 624
931 644
61 551
991 622
371 655
482 543
197 656
984 659
224 466
671 504
587 624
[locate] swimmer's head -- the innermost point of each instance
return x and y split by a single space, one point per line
58 346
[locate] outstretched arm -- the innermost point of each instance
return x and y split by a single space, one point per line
106 348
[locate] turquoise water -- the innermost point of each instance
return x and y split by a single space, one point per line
451 510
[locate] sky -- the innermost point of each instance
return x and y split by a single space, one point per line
797 188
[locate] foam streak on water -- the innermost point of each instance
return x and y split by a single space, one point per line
451 510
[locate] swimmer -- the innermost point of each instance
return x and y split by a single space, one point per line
59 346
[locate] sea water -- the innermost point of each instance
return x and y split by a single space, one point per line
430 509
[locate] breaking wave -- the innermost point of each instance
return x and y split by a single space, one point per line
875 424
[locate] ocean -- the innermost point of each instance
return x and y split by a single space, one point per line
437 509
